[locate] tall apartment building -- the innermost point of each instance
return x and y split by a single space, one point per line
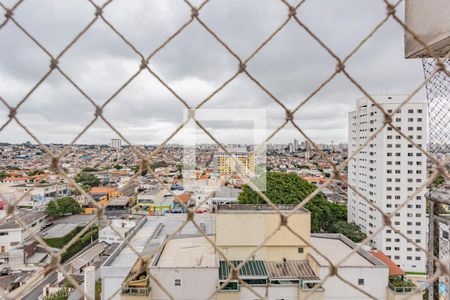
387 171
116 143
225 163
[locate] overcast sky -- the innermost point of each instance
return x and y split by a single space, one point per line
291 66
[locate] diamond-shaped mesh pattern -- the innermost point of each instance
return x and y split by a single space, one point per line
145 65
438 95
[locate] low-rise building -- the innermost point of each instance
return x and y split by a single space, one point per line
226 195
38 194
188 267
360 269
12 234
285 265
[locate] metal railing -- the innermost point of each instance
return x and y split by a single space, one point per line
145 65
401 289
136 291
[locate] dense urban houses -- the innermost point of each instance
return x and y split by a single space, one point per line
387 172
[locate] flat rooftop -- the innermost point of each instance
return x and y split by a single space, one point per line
227 192
88 256
256 208
119 201
153 233
60 230
336 246
187 253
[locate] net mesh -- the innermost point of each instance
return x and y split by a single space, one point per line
439 76
438 96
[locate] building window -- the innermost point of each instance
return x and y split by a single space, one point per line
361 281
177 282
300 249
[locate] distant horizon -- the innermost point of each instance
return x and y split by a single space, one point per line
168 144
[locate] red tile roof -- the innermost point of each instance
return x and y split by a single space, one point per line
15 178
103 189
314 179
394 270
184 198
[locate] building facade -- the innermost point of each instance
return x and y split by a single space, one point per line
13 235
116 143
388 171
226 163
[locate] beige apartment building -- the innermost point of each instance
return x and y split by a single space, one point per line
226 163
283 268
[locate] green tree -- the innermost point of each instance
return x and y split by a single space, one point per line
118 167
289 188
3 175
350 230
87 180
89 169
438 181
62 206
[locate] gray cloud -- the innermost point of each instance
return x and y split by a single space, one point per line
291 66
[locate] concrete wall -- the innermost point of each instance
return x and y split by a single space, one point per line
228 296
376 281
12 236
196 283
399 296
283 292
272 293
429 20
112 278
254 229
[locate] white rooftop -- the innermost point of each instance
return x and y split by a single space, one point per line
187 252
336 249
145 237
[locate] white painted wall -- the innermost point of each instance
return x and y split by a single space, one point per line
112 279
376 282
283 292
196 283
17 235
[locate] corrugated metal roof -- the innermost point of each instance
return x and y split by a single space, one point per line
251 269
293 269
88 256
